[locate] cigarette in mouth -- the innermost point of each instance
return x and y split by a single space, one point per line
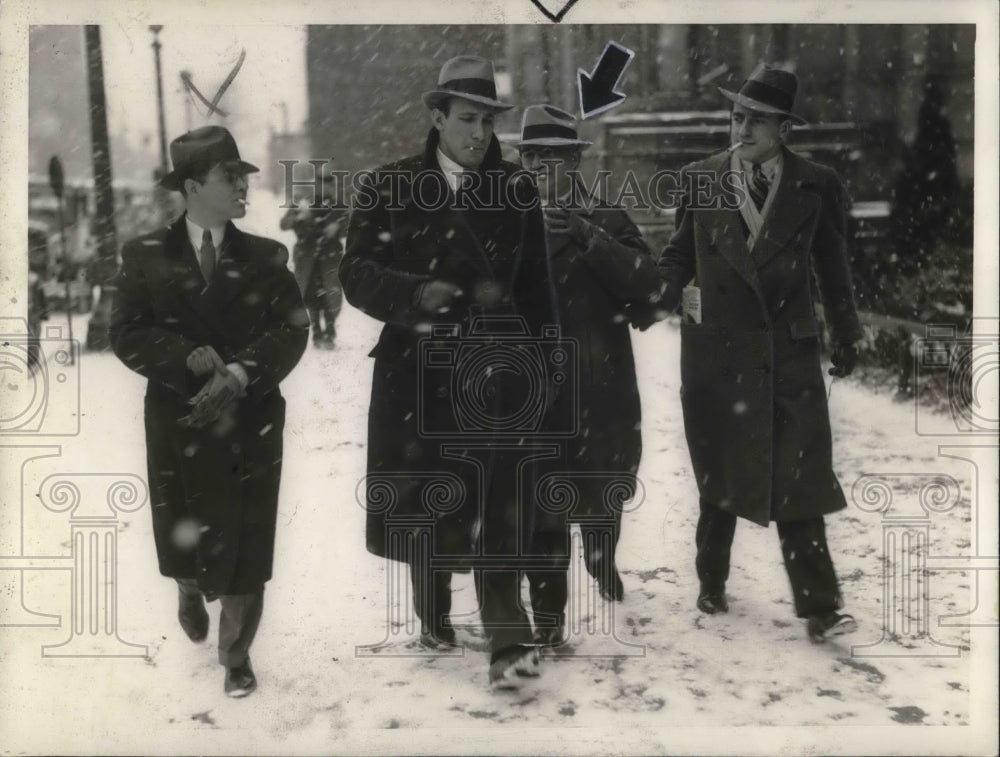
734 146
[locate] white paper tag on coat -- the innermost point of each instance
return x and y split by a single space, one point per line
691 304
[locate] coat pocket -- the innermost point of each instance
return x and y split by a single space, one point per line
804 328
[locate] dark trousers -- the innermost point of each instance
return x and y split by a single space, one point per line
324 299
505 620
238 621
803 547
431 595
548 586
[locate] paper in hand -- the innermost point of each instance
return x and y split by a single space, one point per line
691 304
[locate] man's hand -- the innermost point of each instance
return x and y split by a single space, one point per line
437 296
331 229
203 360
844 357
219 391
562 221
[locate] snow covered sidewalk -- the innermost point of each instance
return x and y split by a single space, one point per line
651 675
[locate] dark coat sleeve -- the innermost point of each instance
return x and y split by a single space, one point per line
677 262
276 350
148 349
619 256
368 277
831 263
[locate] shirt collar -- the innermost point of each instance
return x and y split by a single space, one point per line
768 166
195 233
452 171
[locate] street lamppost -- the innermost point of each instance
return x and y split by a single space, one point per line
160 199
159 99
103 228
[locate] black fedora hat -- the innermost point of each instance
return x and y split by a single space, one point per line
208 144
468 77
768 90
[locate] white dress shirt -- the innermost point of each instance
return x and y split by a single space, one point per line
452 171
195 234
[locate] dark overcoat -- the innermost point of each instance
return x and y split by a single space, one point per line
317 251
602 289
214 490
448 445
753 393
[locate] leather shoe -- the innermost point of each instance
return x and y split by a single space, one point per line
193 616
240 680
550 635
443 637
511 663
828 625
712 599
612 589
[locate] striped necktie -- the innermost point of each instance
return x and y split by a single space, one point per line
207 254
759 186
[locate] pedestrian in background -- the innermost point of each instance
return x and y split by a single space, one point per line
319 229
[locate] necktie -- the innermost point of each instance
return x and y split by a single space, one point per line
466 181
758 187
207 253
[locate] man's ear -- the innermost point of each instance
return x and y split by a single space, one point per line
784 129
191 186
437 118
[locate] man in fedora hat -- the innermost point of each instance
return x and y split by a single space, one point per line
740 265
449 245
213 319
605 279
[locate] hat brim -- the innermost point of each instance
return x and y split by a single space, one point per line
175 179
750 104
551 142
433 99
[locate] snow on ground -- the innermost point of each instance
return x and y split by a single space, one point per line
336 677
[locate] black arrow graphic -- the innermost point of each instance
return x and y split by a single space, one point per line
554 16
597 90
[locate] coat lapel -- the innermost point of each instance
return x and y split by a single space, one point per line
795 203
557 243
723 223
184 275
234 272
